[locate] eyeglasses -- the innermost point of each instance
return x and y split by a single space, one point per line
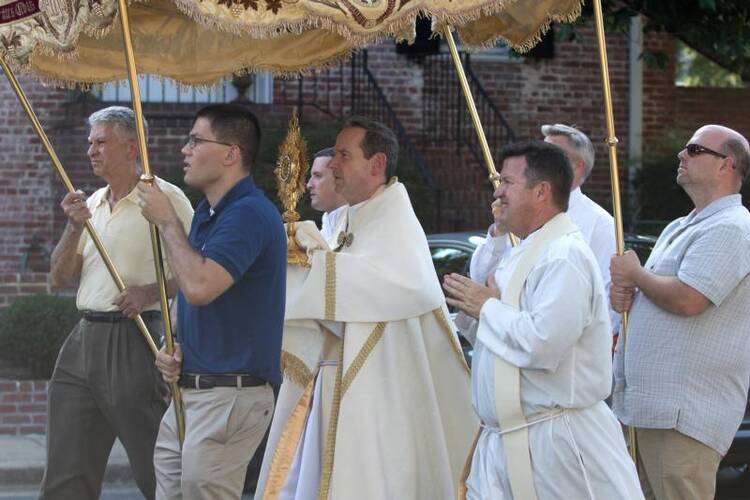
697 149
193 141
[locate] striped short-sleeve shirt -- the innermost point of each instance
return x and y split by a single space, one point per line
691 373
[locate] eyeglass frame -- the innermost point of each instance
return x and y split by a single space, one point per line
694 150
193 140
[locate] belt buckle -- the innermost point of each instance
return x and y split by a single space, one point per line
197 382
239 381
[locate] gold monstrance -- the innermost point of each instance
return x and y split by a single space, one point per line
291 172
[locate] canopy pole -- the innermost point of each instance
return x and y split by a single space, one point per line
614 178
490 163
37 126
135 94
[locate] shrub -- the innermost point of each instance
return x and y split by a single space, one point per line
33 329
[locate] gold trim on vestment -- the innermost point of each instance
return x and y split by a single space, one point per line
362 355
445 326
295 369
283 456
330 291
327 469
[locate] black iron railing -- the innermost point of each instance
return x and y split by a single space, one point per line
446 117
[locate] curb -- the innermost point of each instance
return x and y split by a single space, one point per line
32 476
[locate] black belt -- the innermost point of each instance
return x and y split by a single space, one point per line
115 316
210 380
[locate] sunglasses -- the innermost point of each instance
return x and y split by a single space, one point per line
697 149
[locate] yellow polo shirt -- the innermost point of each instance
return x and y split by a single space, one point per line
125 234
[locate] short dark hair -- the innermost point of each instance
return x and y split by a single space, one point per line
325 153
544 162
378 139
234 124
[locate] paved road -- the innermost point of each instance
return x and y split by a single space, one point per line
124 492
738 492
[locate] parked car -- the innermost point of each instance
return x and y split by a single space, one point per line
451 253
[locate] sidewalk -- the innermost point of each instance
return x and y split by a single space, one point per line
22 460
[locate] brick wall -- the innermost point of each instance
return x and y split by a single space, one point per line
13 285
26 203
23 406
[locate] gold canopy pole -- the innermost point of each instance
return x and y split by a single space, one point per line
493 176
135 94
614 176
37 126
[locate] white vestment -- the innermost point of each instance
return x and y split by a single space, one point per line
560 339
393 417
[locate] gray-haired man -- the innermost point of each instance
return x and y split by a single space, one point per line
105 384
595 223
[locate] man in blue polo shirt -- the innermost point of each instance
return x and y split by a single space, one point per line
231 272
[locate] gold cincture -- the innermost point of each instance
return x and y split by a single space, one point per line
291 172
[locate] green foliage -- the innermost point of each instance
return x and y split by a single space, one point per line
694 70
717 29
33 329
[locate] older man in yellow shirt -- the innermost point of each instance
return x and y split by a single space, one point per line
105 384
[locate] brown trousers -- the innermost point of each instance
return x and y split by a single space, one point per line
223 428
104 386
673 466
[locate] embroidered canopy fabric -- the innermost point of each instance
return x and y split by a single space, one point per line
200 41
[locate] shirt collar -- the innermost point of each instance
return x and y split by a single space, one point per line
131 197
576 196
715 206
333 216
244 187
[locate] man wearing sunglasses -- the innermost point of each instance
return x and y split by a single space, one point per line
682 379
231 273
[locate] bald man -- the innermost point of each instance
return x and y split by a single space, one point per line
682 380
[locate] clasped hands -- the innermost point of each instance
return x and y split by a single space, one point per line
468 295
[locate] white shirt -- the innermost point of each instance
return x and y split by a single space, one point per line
330 222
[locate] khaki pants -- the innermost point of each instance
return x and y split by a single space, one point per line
105 385
673 466
224 426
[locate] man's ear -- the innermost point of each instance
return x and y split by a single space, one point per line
378 163
133 151
543 190
234 155
579 170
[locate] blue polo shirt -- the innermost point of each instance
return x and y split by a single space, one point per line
240 331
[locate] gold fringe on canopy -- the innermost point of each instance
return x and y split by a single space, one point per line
198 42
